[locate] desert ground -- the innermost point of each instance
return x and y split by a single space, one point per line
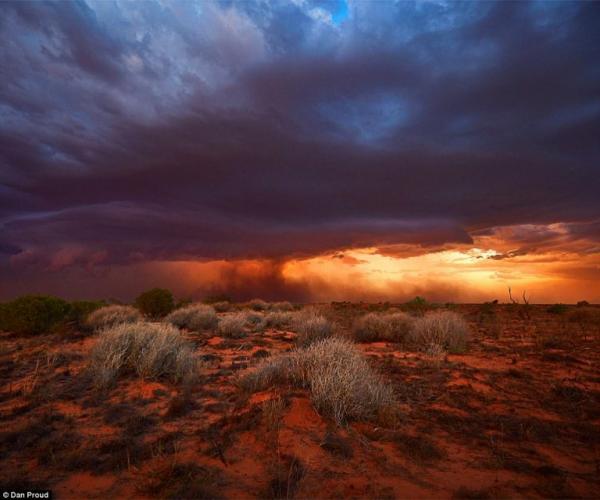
514 414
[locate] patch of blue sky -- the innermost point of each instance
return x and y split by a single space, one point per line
367 119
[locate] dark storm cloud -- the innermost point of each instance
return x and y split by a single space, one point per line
140 131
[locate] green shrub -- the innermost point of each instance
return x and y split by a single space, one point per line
33 314
81 309
184 302
155 303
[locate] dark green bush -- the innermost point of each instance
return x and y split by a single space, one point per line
33 314
184 302
155 303
80 310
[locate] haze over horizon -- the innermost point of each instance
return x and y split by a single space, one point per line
301 150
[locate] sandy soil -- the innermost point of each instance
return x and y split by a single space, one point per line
517 415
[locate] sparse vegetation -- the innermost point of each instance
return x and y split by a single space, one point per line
281 306
446 329
342 384
33 314
112 315
417 306
81 309
291 397
195 317
258 305
279 319
155 303
149 350
557 309
232 326
311 327
222 306
587 317
373 327
255 321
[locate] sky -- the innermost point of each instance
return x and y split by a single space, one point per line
303 150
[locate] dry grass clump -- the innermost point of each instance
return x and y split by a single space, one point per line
277 370
222 306
373 327
194 317
281 306
108 316
258 305
342 384
255 321
232 326
151 350
311 327
445 329
279 319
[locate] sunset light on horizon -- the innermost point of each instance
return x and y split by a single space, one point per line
306 150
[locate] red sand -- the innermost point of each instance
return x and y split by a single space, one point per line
517 415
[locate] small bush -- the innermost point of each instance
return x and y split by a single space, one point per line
33 314
276 370
557 309
255 321
311 326
583 303
279 319
373 327
80 310
417 306
342 384
441 328
147 349
195 317
108 316
282 306
232 326
155 303
258 305
222 306
184 302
